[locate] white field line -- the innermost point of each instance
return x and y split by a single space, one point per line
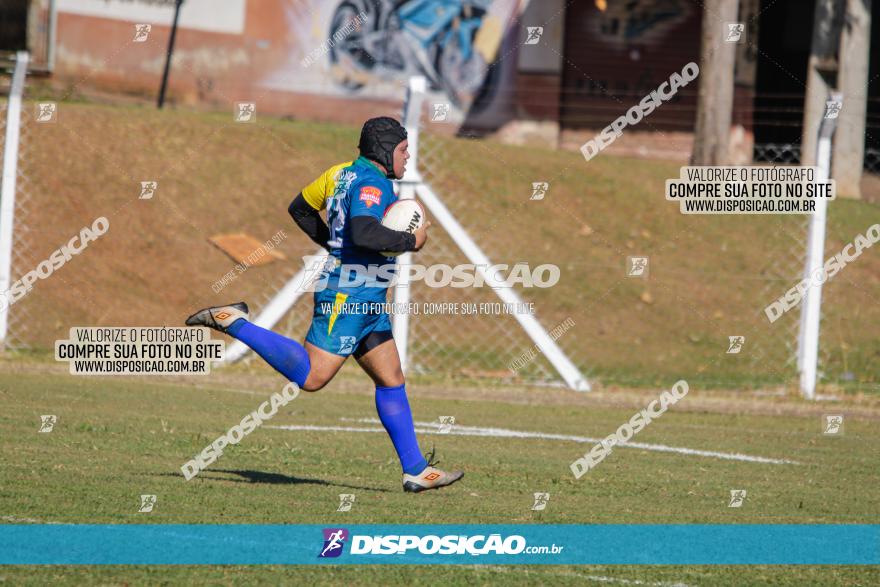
602 579
458 430
596 578
17 520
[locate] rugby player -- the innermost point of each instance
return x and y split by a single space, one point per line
355 195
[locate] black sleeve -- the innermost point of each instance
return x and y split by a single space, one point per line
367 232
309 220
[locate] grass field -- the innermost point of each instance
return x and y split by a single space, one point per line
118 438
710 277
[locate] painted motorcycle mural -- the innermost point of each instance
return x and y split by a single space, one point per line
434 38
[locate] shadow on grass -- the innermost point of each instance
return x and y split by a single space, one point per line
273 479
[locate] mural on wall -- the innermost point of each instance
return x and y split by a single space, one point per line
340 49
200 15
371 47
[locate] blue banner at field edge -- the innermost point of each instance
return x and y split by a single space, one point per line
494 544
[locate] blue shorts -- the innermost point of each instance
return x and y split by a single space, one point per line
340 322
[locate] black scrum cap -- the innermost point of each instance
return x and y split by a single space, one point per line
379 137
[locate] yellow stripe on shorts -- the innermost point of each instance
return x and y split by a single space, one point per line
337 306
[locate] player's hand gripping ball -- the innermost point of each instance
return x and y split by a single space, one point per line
404 216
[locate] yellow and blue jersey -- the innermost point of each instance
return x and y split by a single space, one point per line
348 190
319 191
344 315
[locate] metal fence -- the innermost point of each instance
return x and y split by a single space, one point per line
872 160
19 315
625 331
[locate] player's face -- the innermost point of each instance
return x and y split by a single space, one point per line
401 156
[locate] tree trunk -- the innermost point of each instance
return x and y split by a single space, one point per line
849 142
821 72
715 100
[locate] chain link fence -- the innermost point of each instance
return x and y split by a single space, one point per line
778 153
20 315
838 361
677 321
509 232
640 316
490 345
625 331
872 161
82 291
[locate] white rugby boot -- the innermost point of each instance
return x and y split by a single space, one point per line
219 317
430 478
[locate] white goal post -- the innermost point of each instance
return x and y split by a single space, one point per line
408 187
10 175
811 310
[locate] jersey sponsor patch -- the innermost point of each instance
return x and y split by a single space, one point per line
370 195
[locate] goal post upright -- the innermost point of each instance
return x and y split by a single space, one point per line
566 369
811 310
10 175
412 110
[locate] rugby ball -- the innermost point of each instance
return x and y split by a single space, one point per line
404 216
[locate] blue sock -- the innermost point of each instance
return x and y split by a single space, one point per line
393 408
287 356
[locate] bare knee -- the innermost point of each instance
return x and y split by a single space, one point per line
393 379
315 382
